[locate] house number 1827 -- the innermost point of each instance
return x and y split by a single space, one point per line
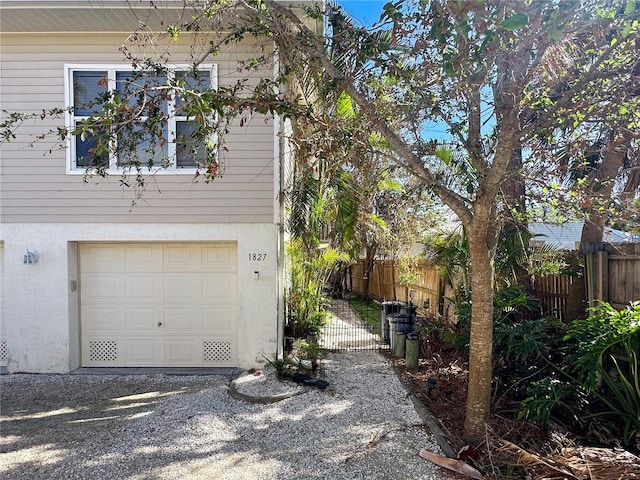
257 257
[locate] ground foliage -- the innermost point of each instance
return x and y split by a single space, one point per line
513 448
550 418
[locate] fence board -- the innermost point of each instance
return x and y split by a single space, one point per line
553 292
383 286
624 280
612 274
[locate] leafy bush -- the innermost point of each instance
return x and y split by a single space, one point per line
507 303
430 329
520 352
285 367
309 271
605 360
524 341
600 375
561 397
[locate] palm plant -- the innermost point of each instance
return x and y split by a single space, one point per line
307 305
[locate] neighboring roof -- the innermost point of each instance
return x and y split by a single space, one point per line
566 236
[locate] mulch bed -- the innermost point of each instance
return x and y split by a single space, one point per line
513 448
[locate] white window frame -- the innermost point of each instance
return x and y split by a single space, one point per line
71 119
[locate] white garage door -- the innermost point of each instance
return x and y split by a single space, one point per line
3 338
158 305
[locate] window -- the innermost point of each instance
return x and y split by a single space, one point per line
153 128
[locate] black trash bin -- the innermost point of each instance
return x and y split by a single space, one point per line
387 309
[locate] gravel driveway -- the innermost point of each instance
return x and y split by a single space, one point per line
363 426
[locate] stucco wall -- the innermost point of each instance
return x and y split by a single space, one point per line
41 307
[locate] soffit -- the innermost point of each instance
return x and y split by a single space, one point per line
32 16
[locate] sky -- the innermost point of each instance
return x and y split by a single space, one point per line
367 11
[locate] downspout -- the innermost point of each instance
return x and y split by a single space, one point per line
281 249
279 176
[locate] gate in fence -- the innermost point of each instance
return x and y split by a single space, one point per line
353 327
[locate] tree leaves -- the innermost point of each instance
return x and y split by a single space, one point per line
516 22
174 32
345 106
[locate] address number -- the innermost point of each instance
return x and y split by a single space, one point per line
257 257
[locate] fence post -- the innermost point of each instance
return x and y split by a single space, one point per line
399 344
597 276
412 351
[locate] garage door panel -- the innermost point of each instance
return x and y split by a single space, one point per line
103 258
104 319
143 351
143 320
182 289
100 351
222 257
183 320
98 287
143 258
219 320
178 258
143 288
219 350
176 352
158 304
220 288
180 351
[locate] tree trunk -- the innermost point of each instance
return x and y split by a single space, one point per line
482 244
602 184
576 301
514 193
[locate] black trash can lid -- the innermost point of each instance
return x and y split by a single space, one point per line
400 318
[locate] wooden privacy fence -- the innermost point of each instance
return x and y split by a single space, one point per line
553 292
611 274
383 285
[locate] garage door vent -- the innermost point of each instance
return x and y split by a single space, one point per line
217 351
3 352
103 350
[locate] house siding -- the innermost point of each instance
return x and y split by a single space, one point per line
36 187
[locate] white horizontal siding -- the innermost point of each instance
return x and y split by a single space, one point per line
36 188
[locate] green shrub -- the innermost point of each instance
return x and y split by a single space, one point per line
284 367
605 360
308 273
552 398
600 375
507 303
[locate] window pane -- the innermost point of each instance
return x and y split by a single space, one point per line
198 81
87 87
139 90
140 145
85 153
189 150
